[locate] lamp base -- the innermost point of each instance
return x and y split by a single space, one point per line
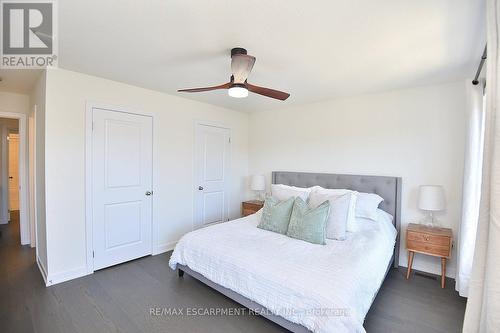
430 221
260 196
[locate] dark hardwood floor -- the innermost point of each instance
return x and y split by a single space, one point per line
120 299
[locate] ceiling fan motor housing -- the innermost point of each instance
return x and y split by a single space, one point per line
238 50
240 85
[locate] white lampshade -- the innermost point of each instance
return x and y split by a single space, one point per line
431 198
258 183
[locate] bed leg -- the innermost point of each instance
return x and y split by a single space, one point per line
180 272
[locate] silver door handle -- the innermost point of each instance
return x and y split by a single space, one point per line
200 188
149 193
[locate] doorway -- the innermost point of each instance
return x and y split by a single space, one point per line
13 174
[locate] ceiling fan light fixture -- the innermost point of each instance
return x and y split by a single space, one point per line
238 91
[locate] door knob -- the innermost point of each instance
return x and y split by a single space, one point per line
149 193
200 188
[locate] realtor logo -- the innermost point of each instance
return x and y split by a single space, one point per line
28 34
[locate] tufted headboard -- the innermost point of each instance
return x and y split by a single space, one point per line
388 188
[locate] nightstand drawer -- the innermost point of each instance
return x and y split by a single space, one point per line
427 238
251 207
247 212
428 248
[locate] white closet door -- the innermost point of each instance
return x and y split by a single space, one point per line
212 147
13 171
122 187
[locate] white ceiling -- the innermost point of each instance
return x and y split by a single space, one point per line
315 50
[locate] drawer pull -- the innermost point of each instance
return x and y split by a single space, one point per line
426 238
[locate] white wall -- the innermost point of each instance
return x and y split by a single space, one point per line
37 98
11 102
174 117
417 134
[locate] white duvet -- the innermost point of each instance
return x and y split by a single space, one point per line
326 288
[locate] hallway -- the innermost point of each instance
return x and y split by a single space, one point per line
17 270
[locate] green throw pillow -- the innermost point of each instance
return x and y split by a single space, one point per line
309 224
276 215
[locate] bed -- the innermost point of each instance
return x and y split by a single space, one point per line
301 286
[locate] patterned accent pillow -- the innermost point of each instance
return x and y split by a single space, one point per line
276 215
309 224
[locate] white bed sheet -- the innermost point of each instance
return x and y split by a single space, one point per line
326 288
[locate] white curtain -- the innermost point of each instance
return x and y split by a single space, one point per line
471 186
483 306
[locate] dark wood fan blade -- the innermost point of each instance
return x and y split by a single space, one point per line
222 86
267 92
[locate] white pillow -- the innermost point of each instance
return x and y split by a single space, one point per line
339 210
350 200
384 216
283 192
367 205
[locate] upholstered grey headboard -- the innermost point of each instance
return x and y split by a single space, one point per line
388 188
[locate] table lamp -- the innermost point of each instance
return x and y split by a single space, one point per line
431 199
258 184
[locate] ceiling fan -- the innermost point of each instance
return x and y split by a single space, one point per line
238 87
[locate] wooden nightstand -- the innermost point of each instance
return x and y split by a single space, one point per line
251 207
432 241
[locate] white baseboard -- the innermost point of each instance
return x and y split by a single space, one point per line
42 269
432 268
71 274
64 276
164 248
